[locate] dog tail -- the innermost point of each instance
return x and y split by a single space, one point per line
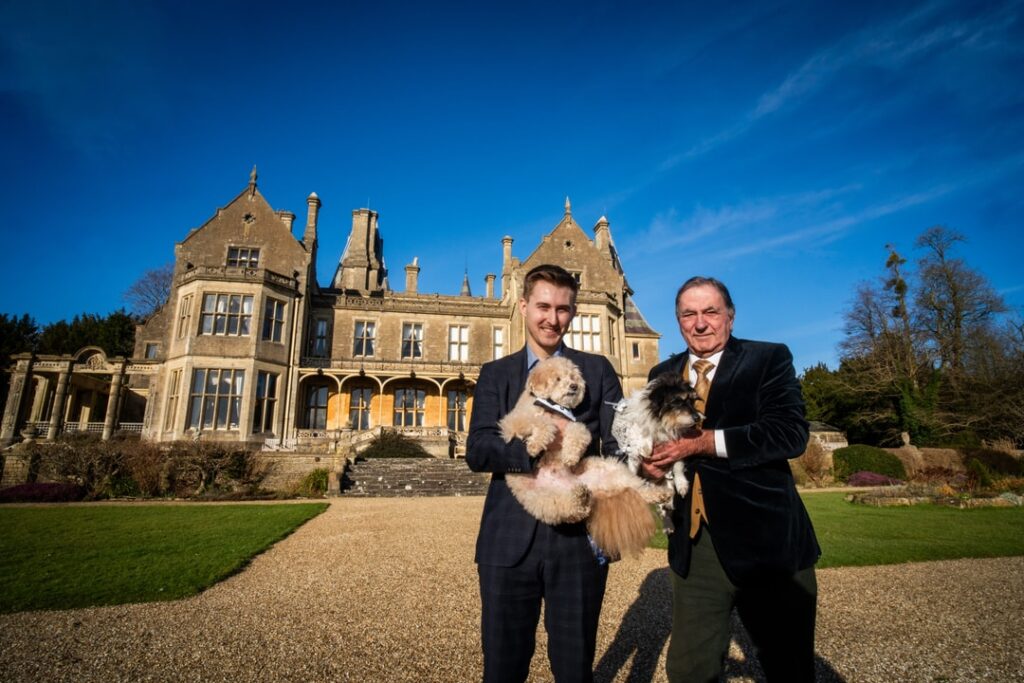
621 524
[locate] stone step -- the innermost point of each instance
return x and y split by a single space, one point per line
413 477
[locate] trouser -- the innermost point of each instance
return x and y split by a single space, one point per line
778 615
560 570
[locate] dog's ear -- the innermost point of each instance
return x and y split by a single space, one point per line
542 379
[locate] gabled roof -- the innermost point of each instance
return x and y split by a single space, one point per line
635 321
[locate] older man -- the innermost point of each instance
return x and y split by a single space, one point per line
743 538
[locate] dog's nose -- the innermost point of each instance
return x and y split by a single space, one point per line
574 387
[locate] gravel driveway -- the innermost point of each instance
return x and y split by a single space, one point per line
385 590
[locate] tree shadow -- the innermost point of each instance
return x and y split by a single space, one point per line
647 625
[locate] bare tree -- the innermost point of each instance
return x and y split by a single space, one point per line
953 301
150 291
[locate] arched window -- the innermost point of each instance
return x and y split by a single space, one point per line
409 407
457 409
316 407
359 408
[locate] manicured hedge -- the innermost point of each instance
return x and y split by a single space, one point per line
998 463
861 458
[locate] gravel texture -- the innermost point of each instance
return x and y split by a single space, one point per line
385 590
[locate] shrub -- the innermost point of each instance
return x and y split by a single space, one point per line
146 464
389 444
198 468
814 463
871 479
861 458
81 459
52 492
1011 484
997 462
314 484
979 474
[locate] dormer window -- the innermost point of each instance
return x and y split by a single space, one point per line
243 257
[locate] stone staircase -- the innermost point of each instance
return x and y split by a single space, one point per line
383 477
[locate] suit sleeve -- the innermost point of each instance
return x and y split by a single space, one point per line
611 393
486 450
777 429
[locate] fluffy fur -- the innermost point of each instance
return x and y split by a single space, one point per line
564 486
662 411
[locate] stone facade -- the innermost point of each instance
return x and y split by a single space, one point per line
251 348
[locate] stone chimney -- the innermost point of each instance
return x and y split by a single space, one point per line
506 264
288 218
361 265
412 276
312 216
602 235
489 279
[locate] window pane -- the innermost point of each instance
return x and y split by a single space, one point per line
207 413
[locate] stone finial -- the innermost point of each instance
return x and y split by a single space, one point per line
568 206
465 285
252 180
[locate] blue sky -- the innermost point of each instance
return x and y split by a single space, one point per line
777 146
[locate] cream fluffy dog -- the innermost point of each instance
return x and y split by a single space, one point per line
565 486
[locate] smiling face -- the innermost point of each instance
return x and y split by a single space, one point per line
704 319
548 312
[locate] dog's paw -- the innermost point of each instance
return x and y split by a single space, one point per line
575 440
580 499
540 437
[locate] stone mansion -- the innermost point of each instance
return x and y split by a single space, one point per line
251 347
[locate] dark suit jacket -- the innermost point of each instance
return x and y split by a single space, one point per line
506 528
757 520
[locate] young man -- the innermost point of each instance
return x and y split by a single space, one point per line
743 538
521 561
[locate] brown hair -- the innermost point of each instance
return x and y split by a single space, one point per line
556 275
700 281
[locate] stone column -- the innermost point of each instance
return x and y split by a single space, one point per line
57 414
20 377
113 402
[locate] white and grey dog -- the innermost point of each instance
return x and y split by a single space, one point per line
662 411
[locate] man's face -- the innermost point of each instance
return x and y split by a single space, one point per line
704 320
547 313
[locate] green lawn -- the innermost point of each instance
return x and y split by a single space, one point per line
77 556
858 535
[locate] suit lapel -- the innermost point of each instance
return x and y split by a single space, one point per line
730 360
516 376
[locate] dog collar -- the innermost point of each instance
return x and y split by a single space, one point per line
555 408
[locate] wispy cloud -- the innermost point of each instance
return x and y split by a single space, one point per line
831 230
889 47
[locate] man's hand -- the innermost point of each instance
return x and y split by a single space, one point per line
666 454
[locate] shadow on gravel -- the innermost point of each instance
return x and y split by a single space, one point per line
646 627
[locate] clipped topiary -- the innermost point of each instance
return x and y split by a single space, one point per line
389 444
861 458
997 462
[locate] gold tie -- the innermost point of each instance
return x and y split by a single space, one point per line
697 510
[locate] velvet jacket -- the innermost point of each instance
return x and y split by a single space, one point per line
757 520
506 528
